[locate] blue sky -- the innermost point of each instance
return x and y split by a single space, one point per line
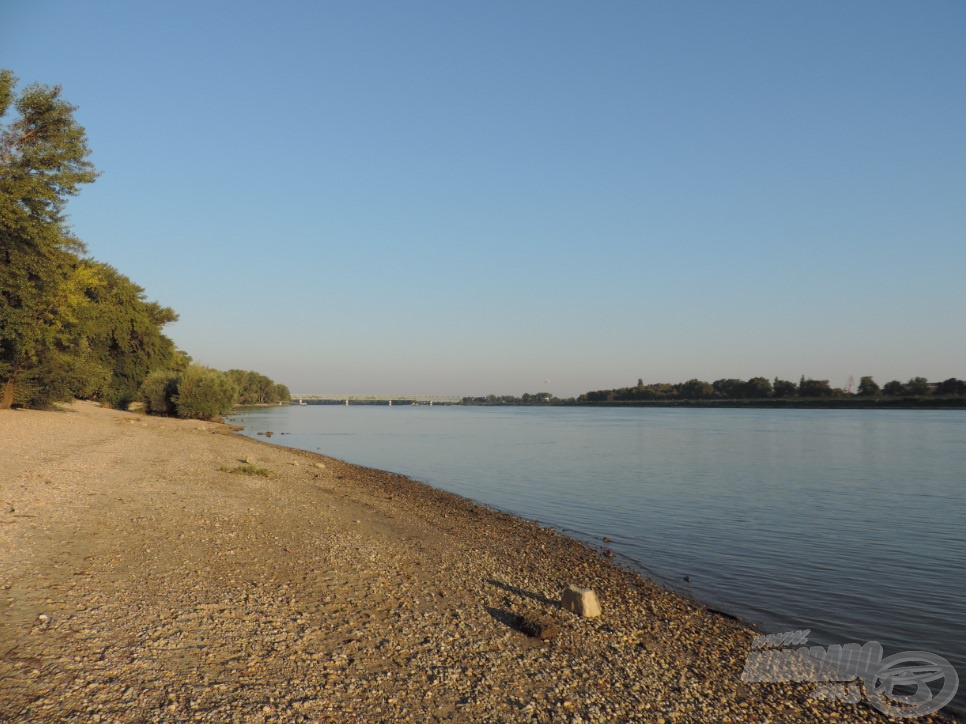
465 198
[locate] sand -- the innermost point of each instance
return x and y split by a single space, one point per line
141 582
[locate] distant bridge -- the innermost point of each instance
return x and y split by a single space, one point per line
378 399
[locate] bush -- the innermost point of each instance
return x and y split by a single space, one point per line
59 377
204 393
246 470
158 391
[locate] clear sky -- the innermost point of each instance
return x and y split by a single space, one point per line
475 197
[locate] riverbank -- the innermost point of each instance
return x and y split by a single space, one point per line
142 581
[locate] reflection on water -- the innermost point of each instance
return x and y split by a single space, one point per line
849 523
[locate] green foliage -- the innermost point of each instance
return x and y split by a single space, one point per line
60 375
783 388
158 391
246 470
257 389
917 386
729 387
204 393
200 392
694 389
893 388
43 157
868 388
952 386
71 326
282 393
124 331
814 388
41 294
180 360
43 161
757 388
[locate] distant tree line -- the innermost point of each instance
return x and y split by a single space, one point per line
71 326
755 388
203 393
257 389
538 398
759 388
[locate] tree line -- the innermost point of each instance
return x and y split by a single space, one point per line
755 388
71 326
759 388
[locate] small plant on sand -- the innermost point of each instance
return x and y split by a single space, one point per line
246 470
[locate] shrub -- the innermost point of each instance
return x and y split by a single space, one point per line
204 393
158 391
246 470
59 377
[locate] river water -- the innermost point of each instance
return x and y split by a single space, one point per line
851 523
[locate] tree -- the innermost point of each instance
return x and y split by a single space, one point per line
757 388
43 161
257 389
282 393
868 388
783 388
695 389
918 386
815 388
729 387
893 388
123 330
952 386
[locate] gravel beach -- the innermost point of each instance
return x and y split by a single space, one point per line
142 581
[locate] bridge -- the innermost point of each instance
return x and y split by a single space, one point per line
333 399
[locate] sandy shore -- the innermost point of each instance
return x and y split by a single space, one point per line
142 583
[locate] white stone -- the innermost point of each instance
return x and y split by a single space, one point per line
582 601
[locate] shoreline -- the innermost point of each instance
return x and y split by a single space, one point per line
142 583
817 403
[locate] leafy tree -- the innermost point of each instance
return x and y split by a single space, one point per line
731 388
695 389
282 393
60 374
868 388
783 388
124 331
952 386
757 388
893 388
917 386
43 161
815 388
255 388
